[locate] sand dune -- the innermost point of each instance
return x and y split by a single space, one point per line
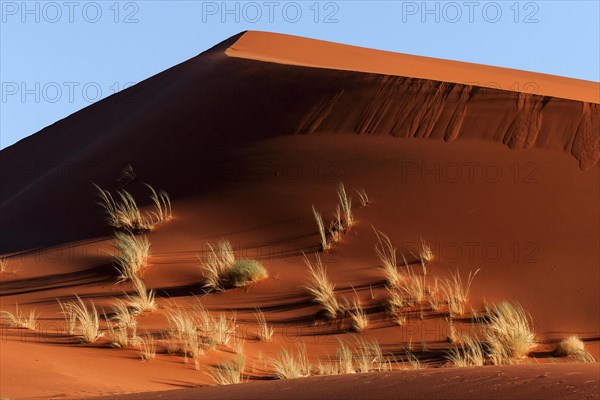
531 382
245 138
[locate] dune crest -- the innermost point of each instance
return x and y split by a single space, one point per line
294 50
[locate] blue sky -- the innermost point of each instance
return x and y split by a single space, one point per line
57 57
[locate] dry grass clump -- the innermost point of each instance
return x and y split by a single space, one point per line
238 345
345 205
426 255
221 269
363 198
3 265
412 361
162 206
570 346
223 329
229 372
456 293
326 368
345 358
122 211
369 357
245 272
435 300
184 332
469 353
413 286
143 301
132 254
127 175
321 289
358 316
87 320
265 332
387 256
325 245
123 316
147 347
583 357
508 334
290 365
70 318
124 321
574 347
119 335
20 320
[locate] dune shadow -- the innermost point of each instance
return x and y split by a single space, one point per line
97 274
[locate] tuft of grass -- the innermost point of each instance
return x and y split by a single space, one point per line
132 254
452 334
70 318
3 265
118 334
387 257
143 301
325 245
321 289
399 319
229 372
88 322
290 365
508 334
162 205
414 286
246 271
456 293
184 332
223 329
221 268
345 205
122 211
470 353
127 175
328 368
426 255
265 332
345 358
358 316
238 345
20 320
370 357
435 300
216 263
570 346
412 361
363 198
123 316
147 347
396 301
583 357
575 348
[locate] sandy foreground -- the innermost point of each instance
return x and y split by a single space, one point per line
245 138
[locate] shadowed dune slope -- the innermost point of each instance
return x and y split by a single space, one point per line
195 114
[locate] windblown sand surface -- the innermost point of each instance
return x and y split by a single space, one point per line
249 135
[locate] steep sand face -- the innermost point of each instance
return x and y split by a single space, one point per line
221 135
